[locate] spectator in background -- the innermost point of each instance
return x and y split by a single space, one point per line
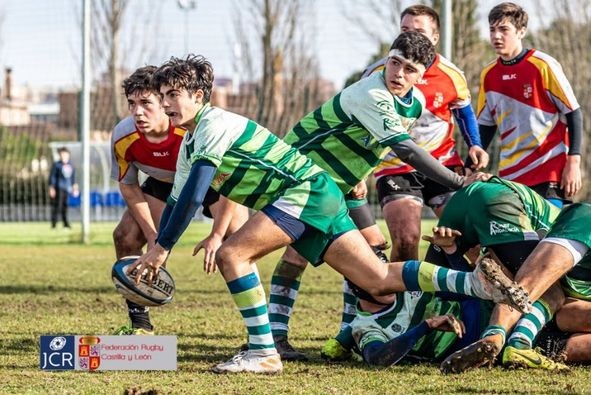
62 182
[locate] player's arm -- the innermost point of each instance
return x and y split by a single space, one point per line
422 161
391 352
487 134
468 126
213 241
176 218
139 210
571 181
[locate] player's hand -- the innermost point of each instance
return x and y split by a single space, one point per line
477 176
210 244
149 263
52 192
360 190
571 181
444 237
479 157
447 323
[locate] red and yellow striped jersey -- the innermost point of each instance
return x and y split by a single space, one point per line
131 151
527 101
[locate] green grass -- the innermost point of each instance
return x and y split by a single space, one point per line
50 284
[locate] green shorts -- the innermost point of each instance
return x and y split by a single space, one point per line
577 289
317 202
488 214
573 223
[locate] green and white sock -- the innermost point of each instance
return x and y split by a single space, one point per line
249 296
285 285
424 276
530 325
349 305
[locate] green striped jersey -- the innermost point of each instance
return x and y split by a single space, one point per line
489 213
350 134
408 311
253 165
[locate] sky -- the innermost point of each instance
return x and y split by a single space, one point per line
41 40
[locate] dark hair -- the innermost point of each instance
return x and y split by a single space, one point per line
416 47
193 73
420 9
140 81
63 149
511 11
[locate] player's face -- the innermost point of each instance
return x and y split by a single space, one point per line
401 74
181 106
423 24
506 39
148 114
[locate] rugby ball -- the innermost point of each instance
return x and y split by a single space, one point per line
159 293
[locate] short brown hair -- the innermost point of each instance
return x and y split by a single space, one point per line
510 11
420 9
140 81
193 73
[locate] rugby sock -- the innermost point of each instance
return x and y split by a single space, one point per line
530 325
345 337
285 284
424 276
349 305
139 315
249 296
492 330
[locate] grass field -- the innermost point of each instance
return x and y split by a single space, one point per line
50 284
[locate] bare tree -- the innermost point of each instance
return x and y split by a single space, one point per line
566 38
283 85
378 20
123 36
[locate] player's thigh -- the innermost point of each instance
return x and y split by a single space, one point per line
403 217
574 316
258 237
128 228
156 207
401 199
351 256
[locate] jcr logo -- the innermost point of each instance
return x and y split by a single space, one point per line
57 353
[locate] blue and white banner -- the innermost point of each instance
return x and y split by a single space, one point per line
108 353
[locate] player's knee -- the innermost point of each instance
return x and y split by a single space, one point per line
224 258
293 258
125 240
408 239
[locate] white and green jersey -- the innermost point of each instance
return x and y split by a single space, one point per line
408 311
350 134
254 166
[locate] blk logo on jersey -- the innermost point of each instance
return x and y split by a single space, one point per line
57 353
507 77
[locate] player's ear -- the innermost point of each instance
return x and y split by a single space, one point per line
198 96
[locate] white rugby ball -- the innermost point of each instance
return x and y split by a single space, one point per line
159 293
